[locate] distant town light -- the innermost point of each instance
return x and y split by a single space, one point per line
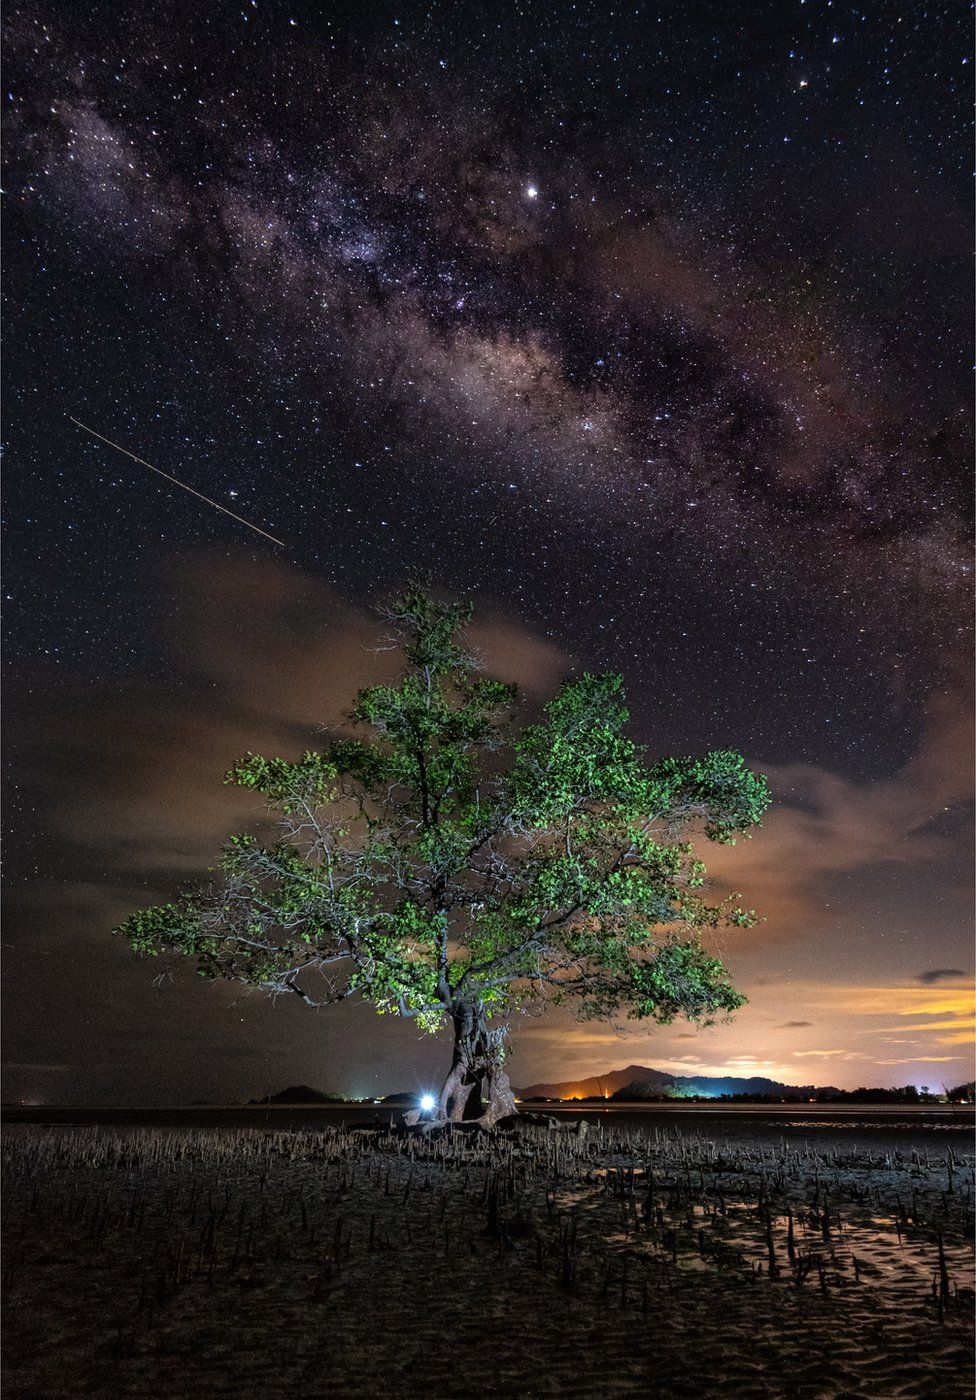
427 1102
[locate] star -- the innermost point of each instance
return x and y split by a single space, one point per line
651 402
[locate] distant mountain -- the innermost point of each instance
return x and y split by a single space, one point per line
598 1086
300 1093
638 1082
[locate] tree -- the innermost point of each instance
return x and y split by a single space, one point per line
453 869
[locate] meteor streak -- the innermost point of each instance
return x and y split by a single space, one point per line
199 495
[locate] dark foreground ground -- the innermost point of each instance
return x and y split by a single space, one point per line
632 1260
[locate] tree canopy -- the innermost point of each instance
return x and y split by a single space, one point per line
449 865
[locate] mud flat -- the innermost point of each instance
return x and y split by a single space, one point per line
551 1262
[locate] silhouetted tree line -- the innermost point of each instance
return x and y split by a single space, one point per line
905 1094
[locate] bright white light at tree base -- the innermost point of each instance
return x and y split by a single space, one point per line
426 1102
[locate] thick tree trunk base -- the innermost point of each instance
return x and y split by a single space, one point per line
477 1090
472 1097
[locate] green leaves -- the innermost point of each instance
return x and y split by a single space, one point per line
682 979
579 756
172 928
429 629
439 859
284 783
164 928
719 789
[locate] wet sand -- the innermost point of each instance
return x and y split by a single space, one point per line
895 1126
629 1261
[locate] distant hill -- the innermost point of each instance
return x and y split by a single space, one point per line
598 1085
638 1082
300 1093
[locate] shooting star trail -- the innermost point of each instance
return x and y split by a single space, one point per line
182 484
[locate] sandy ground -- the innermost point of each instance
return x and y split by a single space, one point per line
142 1262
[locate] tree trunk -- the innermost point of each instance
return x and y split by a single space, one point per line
477 1086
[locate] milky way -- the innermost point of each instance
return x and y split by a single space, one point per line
648 329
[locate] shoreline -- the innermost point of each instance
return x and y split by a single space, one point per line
27 1113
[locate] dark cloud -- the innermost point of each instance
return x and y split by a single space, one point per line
824 825
276 658
941 974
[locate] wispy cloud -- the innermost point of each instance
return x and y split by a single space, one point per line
822 826
921 1060
899 1000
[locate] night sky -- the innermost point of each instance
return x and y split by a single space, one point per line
646 326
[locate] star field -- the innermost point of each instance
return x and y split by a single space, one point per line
647 326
